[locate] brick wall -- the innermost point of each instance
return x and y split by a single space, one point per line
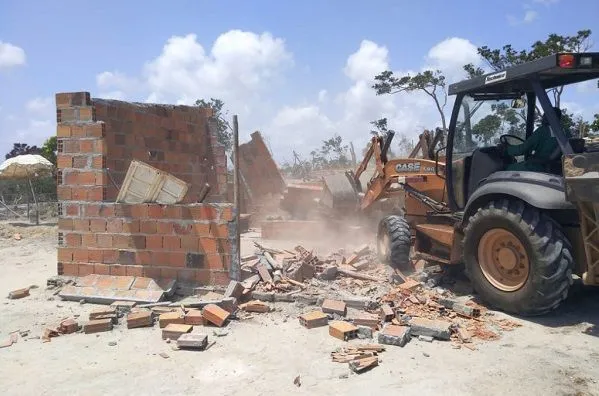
97 139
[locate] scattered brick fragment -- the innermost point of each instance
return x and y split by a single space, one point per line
192 341
386 313
313 319
395 335
235 289
194 317
409 284
215 314
334 307
176 317
139 319
342 330
100 312
173 331
439 329
255 306
361 365
19 293
68 326
96 326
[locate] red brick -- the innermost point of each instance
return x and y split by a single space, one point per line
155 211
80 255
138 242
182 229
223 246
189 243
97 225
101 269
143 258
171 242
186 275
215 314
147 226
121 241
104 240
118 270
208 246
63 131
220 278
203 277
201 229
64 161
132 270
91 210
95 193
79 193
71 209
70 178
164 227
65 254
219 230
86 178
177 259
86 114
70 269
101 178
98 162
85 269
81 225
89 240
96 129
150 272
65 224
80 161
132 227
154 242
64 193
168 273
215 262
73 240
173 212
160 259
114 225
86 146
94 256
139 211
110 256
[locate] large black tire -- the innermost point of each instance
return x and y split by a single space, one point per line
394 242
548 250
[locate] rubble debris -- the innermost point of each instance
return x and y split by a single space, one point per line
215 314
163 355
334 307
194 317
313 319
19 293
68 326
174 331
460 309
366 319
141 318
395 335
103 313
234 289
328 273
12 339
386 313
439 329
48 333
98 325
365 332
357 275
409 284
342 330
268 296
123 306
229 304
297 381
360 365
192 341
360 358
176 317
264 274
425 338
255 306
463 335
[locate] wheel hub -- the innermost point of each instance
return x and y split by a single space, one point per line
503 260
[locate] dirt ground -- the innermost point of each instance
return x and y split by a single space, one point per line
554 355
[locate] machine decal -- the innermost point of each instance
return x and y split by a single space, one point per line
495 77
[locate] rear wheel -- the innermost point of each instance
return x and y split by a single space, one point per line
517 258
394 242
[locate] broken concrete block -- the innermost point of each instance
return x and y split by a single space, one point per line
263 272
255 306
235 289
96 326
68 326
366 319
459 308
284 297
194 317
250 282
386 313
305 299
229 304
263 296
313 319
192 341
342 330
103 313
360 302
364 332
395 335
439 329
174 331
215 314
139 319
334 307
328 273
19 293
176 317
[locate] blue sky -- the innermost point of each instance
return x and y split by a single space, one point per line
297 71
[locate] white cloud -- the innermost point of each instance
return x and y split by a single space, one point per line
546 2
322 95
450 56
41 106
11 56
528 17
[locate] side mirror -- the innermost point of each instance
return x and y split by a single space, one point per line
518 103
437 161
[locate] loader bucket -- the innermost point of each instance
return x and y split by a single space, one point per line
339 193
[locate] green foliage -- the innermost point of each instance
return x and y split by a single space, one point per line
487 129
22 149
594 126
224 130
431 82
49 150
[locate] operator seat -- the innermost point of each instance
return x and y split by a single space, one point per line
481 167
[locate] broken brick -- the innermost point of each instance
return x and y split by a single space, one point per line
125 306
435 328
409 284
366 319
139 319
19 293
264 274
175 330
68 326
96 326
360 365
235 289
194 317
98 313
215 314
386 313
313 319
342 330
171 318
255 306
192 341
395 335
334 307
464 335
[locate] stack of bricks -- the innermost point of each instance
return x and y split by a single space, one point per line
188 242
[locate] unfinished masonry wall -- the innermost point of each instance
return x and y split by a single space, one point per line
97 139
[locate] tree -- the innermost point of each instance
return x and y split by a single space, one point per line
49 150
507 56
431 82
224 130
595 124
22 149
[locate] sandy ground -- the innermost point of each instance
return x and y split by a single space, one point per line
555 355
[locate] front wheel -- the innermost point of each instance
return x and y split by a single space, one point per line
394 242
517 258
